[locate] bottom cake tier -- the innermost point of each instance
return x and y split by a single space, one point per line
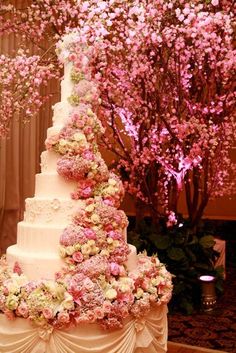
42 265
145 335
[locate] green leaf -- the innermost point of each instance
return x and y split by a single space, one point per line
193 241
207 241
162 242
187 306
176 254
192 257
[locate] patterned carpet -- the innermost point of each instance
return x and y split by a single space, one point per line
215 330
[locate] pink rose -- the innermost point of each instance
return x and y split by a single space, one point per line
72 57
88 130
109 201
145 284
51 140
88 155
91 316
17 269
108 227
23 310
114 235
90 234
114 268
107 306
86 192
99 313
78 256
48 313
63 318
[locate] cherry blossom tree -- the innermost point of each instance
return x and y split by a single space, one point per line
165 70
38 24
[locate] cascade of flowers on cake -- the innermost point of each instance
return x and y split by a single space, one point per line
95 285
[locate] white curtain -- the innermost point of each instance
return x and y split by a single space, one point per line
20 157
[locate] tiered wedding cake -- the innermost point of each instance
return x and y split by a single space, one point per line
72 273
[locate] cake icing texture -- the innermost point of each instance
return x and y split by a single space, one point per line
71 263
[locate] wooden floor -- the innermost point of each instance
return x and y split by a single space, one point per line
184 348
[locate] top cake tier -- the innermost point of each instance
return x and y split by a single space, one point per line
67 84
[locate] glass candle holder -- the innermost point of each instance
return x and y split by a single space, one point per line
208 293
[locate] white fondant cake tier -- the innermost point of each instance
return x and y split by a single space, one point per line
53 130
38 260
67 84
48 161
54 185
36 264
39 237
61 112
50 210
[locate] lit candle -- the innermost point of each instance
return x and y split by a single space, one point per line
206 278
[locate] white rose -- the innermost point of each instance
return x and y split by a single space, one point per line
111 294
86 249
70 250
155 281
139 293
79 136
124 288
62 251
62 142
90 208
95 218
90 112
68 303
112 182
104 253
91 242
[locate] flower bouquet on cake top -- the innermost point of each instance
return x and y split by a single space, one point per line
72 263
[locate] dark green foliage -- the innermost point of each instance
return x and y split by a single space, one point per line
187 254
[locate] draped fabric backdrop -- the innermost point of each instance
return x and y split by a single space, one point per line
20 158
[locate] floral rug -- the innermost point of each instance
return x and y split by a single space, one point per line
215 330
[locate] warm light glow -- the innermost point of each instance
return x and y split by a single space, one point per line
206 278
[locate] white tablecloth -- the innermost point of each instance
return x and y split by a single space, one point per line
147 335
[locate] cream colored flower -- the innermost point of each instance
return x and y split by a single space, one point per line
62 251
79 136
77 247
62 142
155 281
90 112
112 182
139 293
90 208
68 302
111 294
91 242
94 250
124 288
15 283
70 250
95 218
12 302
116 243
86 249
104 252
